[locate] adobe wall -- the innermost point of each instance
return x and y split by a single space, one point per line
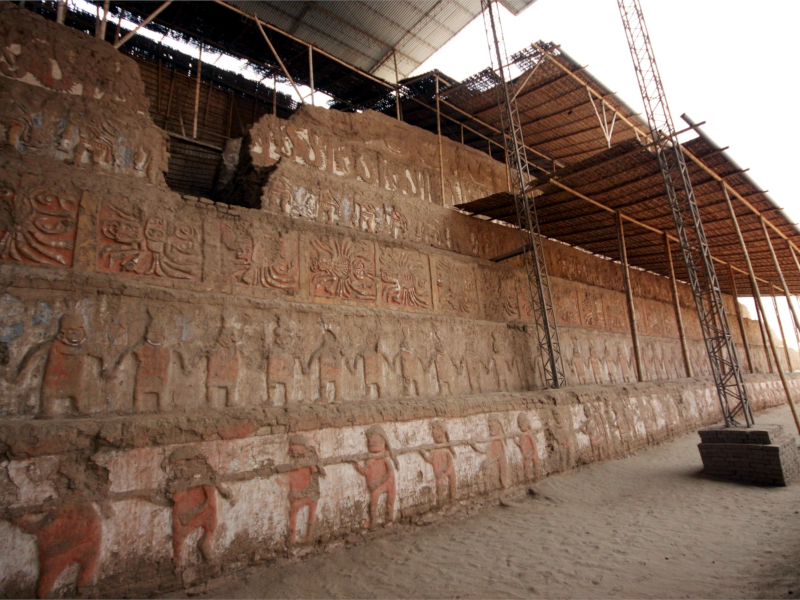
187 387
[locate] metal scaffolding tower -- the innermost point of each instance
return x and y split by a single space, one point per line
535 267
694 246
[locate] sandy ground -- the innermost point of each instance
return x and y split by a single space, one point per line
649 526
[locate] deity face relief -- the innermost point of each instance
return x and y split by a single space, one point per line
71 330
155 231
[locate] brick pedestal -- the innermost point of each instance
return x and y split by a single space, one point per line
765 456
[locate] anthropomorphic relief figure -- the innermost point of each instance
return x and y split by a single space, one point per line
303 482
411 368
332 362
222 370
192 487
442 459
65 535
531 464
64 372
494 467
379 472
152 387
281 364
447 371
375 363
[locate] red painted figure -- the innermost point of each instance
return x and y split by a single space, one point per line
303 485
193 488
442 459
65 535
192 509
527 447
63 373
379 473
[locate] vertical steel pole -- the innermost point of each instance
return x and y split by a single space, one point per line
676 302
740 318
197 92
439 132
626 280
760 305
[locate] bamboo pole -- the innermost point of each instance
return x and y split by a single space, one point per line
278 58
781 329
144 23
626 279
275 95
397 87
311 71
795 319
230 112
158 82
197 92
208 103
677 304
740 319
760 305
761 325
439 133
61 11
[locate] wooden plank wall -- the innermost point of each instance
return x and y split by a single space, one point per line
223 113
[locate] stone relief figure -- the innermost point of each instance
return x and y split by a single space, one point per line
133 242
37 228
595 428
366 217
559 447
411 368
397 222
457 286
623 360
152 389
447 371
341 269
374 364
65 535
494 468
222 368
64 372
256 265
531 464
329 207
281 363
442 459
379 472
597 367
302 477
192 487
332 360
508 374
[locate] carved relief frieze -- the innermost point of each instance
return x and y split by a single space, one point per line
405 278
456 285
263 259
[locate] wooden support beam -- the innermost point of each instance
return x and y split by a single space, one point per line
626 279
278 58
274 95
677 305
740 319
781 278
760 305
144 23
61 11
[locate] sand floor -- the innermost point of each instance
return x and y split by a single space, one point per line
649 526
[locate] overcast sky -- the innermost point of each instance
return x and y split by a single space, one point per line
731 63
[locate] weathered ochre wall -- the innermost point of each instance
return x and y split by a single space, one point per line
187 387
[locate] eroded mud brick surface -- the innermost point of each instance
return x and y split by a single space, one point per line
188 387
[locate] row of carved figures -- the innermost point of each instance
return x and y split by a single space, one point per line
70 532
73 360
